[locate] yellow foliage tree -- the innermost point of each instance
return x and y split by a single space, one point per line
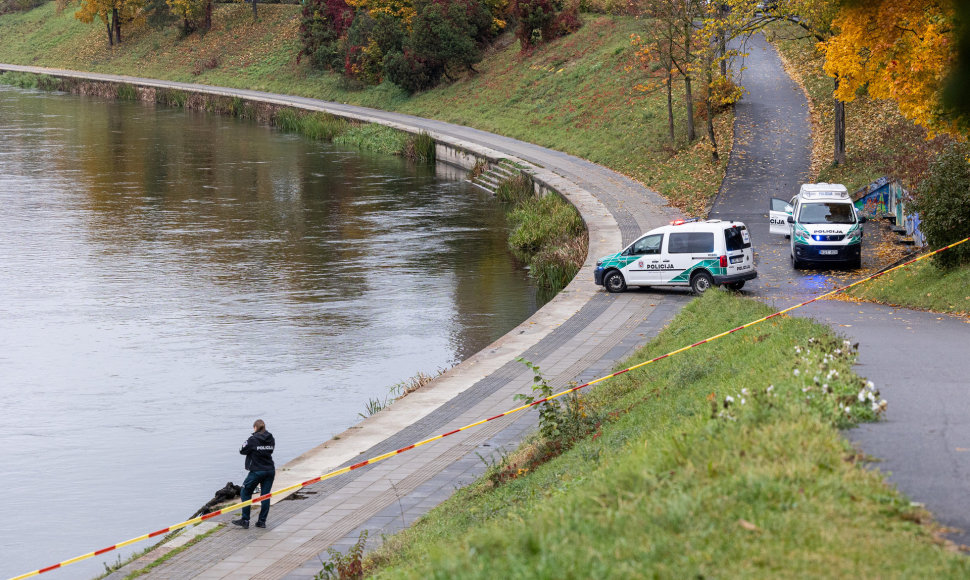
194 13
403 10
112 13
897 49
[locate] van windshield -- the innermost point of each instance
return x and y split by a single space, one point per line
826 213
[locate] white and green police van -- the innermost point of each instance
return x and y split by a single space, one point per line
693 253
822 224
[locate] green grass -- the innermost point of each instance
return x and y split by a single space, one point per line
923 286
575 95
674 484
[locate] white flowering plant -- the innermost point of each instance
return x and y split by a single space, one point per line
821 378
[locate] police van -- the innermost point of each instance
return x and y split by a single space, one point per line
690 253
822 224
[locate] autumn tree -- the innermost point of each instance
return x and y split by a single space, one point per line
112 13
673 32
895 49
195 14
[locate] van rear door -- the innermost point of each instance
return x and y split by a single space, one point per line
737 244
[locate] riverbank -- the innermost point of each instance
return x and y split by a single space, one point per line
698 465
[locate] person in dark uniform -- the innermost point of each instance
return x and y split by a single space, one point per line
258 450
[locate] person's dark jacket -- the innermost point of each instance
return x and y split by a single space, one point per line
259 451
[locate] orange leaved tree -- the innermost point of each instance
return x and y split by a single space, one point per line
896 49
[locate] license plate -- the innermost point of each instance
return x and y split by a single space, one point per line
828 252
737 259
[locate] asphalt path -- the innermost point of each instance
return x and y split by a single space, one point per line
919 361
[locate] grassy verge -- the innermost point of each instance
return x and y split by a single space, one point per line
678 480
923 286
109 570
575 95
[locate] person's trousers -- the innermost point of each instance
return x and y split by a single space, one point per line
264 479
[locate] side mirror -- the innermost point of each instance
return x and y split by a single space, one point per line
863 219
791 220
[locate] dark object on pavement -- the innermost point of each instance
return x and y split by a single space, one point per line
229 492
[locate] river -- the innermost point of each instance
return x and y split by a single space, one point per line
168 276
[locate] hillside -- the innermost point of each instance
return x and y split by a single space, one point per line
575 95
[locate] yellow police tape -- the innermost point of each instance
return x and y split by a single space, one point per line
378 458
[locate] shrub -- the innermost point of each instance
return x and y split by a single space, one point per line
943 203
445 36
322 24
516 189
535 18
409 72
421 148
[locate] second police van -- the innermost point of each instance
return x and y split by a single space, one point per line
688 253
822 224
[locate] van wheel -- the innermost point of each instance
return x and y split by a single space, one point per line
701 282
735 285
614 281
796 263
855 263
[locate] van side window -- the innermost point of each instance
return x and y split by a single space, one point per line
691 243
734 239
647 245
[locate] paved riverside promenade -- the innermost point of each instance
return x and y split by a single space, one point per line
578 336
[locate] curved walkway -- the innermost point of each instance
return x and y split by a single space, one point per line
578 336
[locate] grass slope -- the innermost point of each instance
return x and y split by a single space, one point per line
679 485
574 95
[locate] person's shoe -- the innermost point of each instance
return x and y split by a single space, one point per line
244 524
260 524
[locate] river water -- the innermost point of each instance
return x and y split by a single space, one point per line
166 277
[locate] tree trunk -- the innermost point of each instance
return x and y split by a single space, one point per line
254 10
117 21
111 36
710 110
722 40
208 16
839 154
691 133
670 104
689 96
